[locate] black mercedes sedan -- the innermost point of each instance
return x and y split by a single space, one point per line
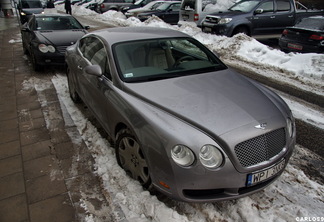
168 12
45 38
307 36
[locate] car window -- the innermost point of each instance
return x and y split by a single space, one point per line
244 6
163 58
57 23
95 52
31 4
283 5
267 6
175 7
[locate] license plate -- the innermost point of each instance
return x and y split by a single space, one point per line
263 175
207 29
185 16
295 46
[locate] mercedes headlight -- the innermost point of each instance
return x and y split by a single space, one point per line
210 156
182 155
46 48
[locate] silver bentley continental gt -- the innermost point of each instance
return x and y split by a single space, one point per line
180 120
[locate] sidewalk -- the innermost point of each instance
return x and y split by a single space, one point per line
39 178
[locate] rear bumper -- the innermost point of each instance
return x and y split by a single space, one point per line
288 45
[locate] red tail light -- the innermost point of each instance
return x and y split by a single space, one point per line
285 32
102 6
317 37
196 17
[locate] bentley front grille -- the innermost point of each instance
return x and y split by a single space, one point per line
261 148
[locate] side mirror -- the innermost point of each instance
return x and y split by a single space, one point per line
94 70
258 11
86 27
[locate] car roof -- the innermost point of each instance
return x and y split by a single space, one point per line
52 15
123 34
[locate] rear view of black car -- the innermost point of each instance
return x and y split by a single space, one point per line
307 36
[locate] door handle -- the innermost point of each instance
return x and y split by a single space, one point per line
272 17
80 67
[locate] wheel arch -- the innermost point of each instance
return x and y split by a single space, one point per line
242 28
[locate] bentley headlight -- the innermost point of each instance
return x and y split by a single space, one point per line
182 155
224 20
290 127
210 156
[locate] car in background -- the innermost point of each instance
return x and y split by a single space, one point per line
149 7
46 36
27 8
137 4
180 120
306 36
116 5
168 12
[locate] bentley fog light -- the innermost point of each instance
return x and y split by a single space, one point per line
210 156
182 155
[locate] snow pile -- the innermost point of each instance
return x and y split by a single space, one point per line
305 69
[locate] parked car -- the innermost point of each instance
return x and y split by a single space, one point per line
168 12
180 120
149 7
46 37
116 5
305 36
195 11
27 8
137 4
256 17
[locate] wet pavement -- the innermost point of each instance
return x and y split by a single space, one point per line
40 178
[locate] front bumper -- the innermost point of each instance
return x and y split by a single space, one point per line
217 29
56 58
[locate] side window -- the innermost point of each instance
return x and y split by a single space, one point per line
95 52
267 7
283 5
175 7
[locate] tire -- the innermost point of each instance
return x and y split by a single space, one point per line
241 29
130 157
72 89
35 64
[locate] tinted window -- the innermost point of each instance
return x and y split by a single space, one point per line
188 4
31 4
56 23
244 6
283 5
267 7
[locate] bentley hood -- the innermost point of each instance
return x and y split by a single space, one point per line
61 37
217 102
